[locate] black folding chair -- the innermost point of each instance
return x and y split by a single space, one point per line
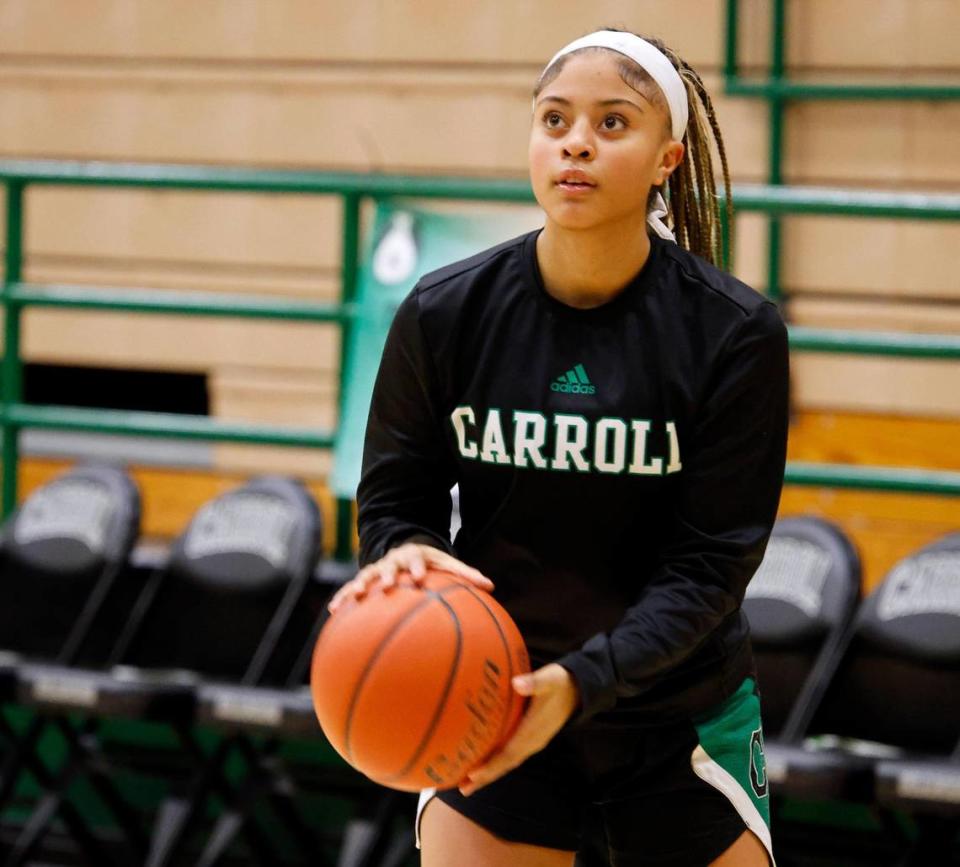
61 554
901 687
216 610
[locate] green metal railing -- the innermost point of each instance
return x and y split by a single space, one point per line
353 190
778 91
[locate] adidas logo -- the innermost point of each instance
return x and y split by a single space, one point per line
574 381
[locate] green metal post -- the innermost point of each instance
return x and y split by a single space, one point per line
775 167
730 55
348 291
726 262
11 374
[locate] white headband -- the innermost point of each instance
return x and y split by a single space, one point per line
649 58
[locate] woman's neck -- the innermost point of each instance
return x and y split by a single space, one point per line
588 268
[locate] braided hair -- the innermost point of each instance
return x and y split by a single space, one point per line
691 190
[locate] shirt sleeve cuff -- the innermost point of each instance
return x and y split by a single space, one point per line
593 675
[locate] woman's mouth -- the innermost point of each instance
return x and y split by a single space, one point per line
574 186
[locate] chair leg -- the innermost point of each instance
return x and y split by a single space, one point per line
51 804
170 828
269 779
84 745
178 813
367 842
22 749
228 825
264 780
53 801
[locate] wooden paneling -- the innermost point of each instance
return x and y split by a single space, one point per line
365 120
879 143
161 342
433 87
874 315
295 398
446 120
280 233
872 257
873 384
873 35
367 31
324 286
889 33
876 440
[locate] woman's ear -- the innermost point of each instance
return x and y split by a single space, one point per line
670 158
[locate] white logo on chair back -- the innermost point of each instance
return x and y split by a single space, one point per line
792 571
72 508
252 523
928 584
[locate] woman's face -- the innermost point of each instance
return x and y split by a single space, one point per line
597 146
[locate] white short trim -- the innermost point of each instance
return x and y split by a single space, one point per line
426 796
710 772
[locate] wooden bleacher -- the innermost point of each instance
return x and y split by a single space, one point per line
439 87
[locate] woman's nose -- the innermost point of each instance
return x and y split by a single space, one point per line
578 143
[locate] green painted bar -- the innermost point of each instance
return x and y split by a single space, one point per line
160 176
190 427
888 479
778 39
846 203
748 197
732 41
943 346
726 250
174 301
11 375
344 542
350 265
817 90
777 109
774 242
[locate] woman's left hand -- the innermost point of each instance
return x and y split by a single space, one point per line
553 699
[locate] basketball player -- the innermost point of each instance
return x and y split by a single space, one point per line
614 409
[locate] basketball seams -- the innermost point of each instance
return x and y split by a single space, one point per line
368 667
445 694
509 656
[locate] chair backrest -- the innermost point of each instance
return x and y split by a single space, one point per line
231 583
899 683
61 551
798 604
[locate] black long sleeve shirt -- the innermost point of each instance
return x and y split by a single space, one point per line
620 467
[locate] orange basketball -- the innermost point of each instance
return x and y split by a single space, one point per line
412 686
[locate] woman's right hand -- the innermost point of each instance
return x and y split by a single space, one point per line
413 558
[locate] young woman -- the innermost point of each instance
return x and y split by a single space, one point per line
614 409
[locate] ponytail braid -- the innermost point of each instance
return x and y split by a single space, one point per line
691 190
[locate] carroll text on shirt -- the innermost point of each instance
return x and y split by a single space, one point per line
563 442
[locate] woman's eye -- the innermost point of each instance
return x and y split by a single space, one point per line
613 122
552 119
